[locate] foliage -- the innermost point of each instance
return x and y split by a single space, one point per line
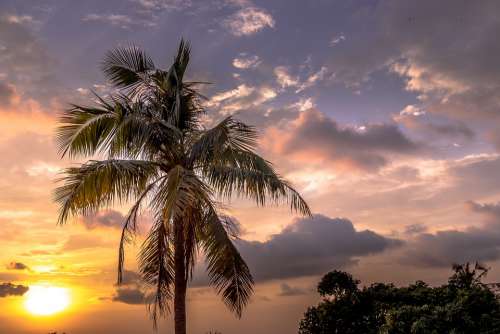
158 155
338 284
463 306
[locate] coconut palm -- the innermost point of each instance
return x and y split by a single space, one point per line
157 156
465 277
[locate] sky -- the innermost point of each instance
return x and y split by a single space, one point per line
384 114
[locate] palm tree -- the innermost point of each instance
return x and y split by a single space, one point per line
158 156
465 277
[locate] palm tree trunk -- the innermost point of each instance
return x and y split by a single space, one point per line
180 282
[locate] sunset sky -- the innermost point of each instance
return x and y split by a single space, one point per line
384 114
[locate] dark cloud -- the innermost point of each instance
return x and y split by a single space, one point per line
131 291
9 289
7 94
431 128
443 248
477 243
130 295
17 266
25 60
288 291
490 210
454 129
367 148
131 277
311 246
108 218
430 44
415 229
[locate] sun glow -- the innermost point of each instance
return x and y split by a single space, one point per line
46 300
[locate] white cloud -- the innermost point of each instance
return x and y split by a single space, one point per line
337 39
248 21
43 169
165 4
313 79
114 19
241 91
83 91
284 78
303 104
240 98
412 110
20 19
245 62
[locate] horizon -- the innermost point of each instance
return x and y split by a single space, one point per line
383 114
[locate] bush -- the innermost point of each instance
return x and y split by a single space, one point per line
463 306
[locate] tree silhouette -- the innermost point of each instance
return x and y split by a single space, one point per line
467 277
158 155
464 305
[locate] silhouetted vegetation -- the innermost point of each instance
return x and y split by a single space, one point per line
158 154
464 305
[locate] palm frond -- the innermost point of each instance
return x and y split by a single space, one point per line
83 129
182 59
125 67
156 265
178 192
130 226
180 196
254 178
97 184
227 270
227 136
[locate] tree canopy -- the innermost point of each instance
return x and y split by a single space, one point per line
462 306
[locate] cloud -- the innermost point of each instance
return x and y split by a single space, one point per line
417 120
120 20
164 4
17 266
239 92
289 291
284 78
107 218
25 63
316 137
8 94
413 229
78 242
311 246
130 295
245 61
131 290
337 39
435 66
9 289
248 21
303 104
444 247
241 98
313 79
19 19
491 211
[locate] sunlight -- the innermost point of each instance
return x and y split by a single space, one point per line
46 300
43 268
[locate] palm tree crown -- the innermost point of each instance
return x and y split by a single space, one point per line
159 157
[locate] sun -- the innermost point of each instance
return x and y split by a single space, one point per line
46 300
